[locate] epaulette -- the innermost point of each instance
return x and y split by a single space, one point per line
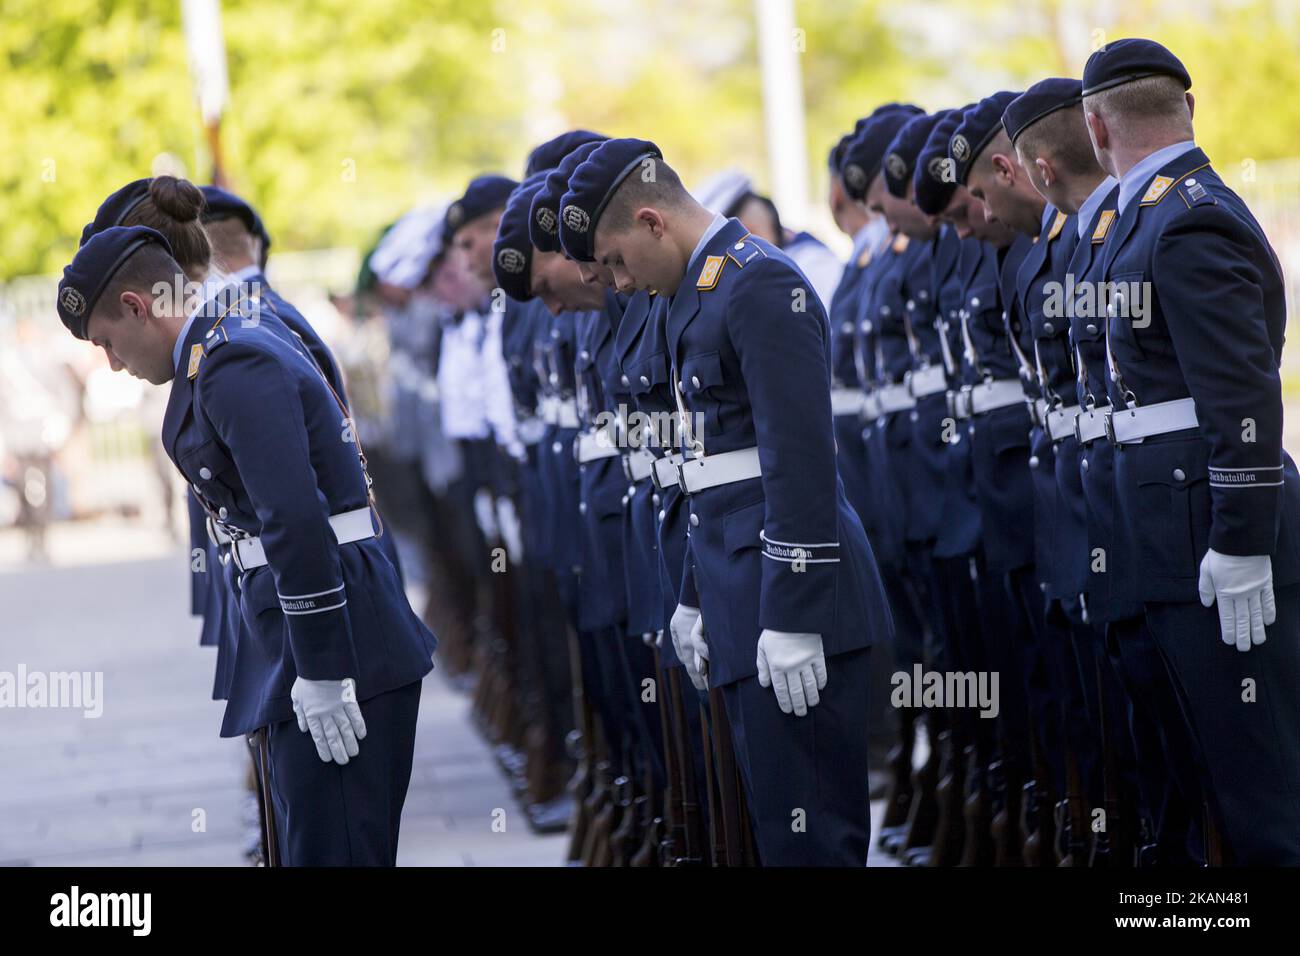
1193 192
216 337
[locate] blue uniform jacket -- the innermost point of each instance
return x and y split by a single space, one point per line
263 442
1212 329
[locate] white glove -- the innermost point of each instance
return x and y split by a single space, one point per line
485 514
329 709
701 648
511 535
681 625
659 638
1243 588
648 638
794 666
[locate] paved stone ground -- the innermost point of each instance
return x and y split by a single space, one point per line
123 788
127 787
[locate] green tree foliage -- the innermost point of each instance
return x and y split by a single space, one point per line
344 114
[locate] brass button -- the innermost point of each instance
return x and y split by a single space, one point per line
222 513
1091 328
624 380
1180 475
695 380
1083 463
582 507
1049 328
654 499
695 520
645 379
205 473
661 514
1033 461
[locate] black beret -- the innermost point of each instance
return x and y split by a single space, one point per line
93 267
116 207
549 154
218 203
591 187
1126 60
482 195
836 155
979 124
1042 99
901 154
512 253
544 220
933 178
866 151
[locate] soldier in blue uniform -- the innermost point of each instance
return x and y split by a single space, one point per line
333 641
1045 126
1193 337
790 599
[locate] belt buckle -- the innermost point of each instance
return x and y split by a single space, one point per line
1078 425
966 401
681 476
626 458
1108 423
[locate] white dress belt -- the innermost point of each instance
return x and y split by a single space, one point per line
1001 393
1060 422
595 444
895 398
665 471
638 465
348 526
710 471
566 413
1146 421
1091 424
930 380
847 401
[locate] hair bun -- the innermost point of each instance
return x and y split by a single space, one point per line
178 198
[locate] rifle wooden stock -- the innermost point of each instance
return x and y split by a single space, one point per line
898 800
583 780
950 827
923 814
978 847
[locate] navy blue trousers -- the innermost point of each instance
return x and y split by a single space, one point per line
331 815
1251 748
806 777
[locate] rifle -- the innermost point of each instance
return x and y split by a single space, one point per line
1035 809
923 814
898 800
688 840
950 825
735 833
671 824
257 740
978 848
582 743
